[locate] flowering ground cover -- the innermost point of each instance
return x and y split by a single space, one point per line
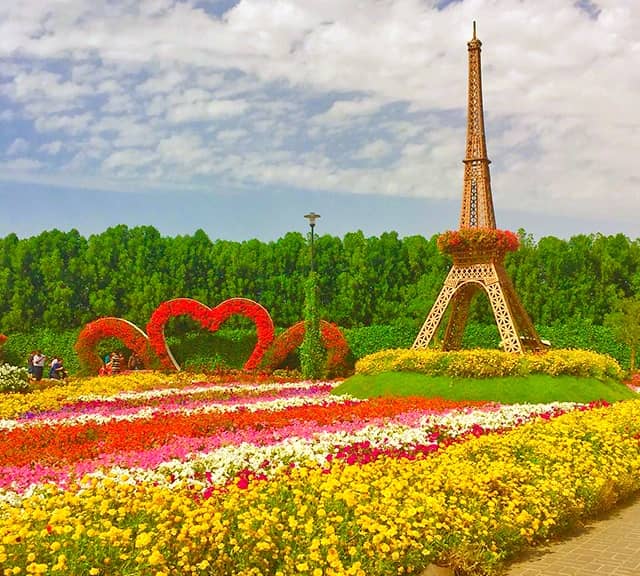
159 476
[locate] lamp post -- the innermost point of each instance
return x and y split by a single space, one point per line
312 217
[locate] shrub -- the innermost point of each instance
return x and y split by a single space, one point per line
13 379
574 363
484 364
227 348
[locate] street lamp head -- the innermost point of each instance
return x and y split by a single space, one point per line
312 217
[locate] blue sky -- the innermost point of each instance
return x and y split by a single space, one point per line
240 117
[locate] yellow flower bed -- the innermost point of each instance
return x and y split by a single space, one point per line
480 363
53 397
473 505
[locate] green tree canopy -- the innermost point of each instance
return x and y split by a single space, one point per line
624 322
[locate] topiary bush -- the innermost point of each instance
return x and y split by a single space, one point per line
13 379
312 353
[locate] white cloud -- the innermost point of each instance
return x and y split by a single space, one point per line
373 150
29 86
18 147
162 82
20 165
52 148
344 110
73 124
183 149
230 135
204 109
127 159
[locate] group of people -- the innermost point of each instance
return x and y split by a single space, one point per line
37 361
113 362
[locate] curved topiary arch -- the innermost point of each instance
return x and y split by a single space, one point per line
109 327
332 338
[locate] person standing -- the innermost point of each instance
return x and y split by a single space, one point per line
30 363
135 362
115 362
38 364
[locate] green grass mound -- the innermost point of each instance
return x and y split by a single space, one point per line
534 388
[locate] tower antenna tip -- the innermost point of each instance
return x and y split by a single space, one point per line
474 29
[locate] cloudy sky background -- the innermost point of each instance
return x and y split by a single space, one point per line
240 117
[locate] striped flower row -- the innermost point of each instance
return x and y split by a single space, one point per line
471 506
217 458
114 411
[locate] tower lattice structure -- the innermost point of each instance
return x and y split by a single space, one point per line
480 269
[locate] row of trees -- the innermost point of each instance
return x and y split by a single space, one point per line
62 279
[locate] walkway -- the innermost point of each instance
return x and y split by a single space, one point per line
607 546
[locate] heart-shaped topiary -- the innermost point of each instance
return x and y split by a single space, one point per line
210 319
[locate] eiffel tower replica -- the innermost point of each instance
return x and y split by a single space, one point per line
480 267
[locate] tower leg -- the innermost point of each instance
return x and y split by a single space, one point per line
435 315
529 338
460 305
504 320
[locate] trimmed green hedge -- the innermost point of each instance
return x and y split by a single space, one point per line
369 339
20 344
224 349
229 348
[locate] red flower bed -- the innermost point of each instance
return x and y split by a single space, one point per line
129 334
474 240
59 444
332 337
210 319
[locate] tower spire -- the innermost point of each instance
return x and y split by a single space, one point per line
477 202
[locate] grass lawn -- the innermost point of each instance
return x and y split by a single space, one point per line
536 388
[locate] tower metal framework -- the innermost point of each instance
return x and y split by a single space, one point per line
477 270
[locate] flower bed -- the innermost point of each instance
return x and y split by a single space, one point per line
491 363
634 382
206 478
477 241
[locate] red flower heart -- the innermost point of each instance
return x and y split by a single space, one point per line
210 319
127 332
